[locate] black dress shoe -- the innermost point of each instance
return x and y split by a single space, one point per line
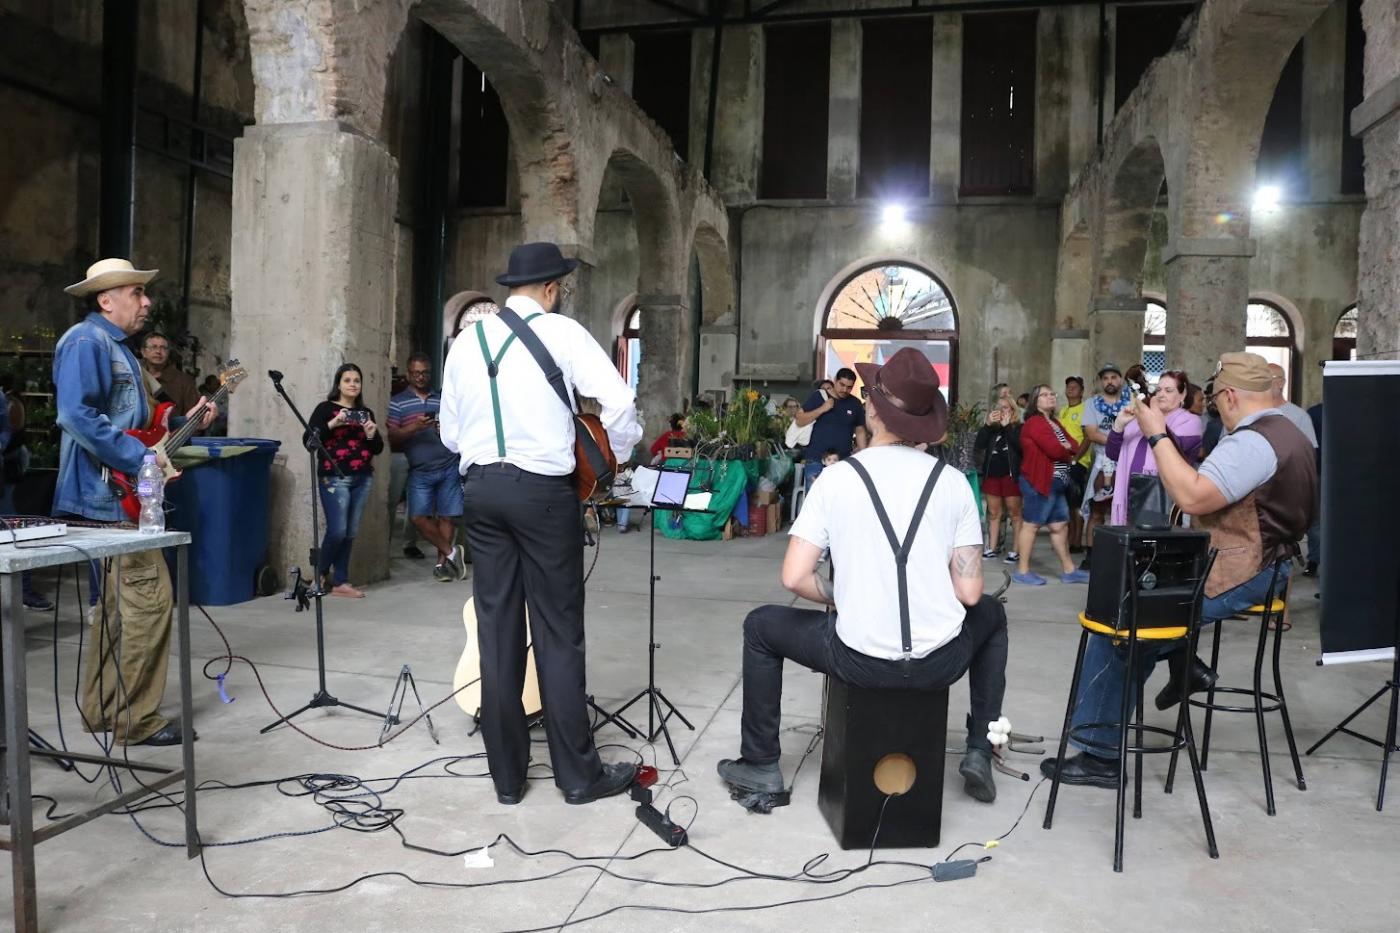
1201 678
510 800
169 734
750 776
615 779
1088 770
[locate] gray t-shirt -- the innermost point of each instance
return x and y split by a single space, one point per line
1242 461
1300 418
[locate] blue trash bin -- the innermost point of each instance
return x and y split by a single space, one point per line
223 504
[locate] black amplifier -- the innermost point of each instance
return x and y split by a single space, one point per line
1168 564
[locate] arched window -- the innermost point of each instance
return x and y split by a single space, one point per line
1154 340
1344 336
884 308
1269 332
628 353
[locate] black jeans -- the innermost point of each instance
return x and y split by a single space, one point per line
808 636
526 536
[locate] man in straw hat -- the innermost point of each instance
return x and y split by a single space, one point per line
102 394
1256 494
886 508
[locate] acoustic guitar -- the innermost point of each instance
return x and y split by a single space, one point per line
595 464
466 681
158 437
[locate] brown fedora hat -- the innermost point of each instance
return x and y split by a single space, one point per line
905 393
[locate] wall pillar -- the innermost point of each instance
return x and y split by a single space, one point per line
1377 122
1115 335
1207 300
843 111
1324 55
664 381
739 126
313 255
945 137
618 58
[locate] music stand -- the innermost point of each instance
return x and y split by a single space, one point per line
669 496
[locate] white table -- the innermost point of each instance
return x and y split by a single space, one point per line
95 543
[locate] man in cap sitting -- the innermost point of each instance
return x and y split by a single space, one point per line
1256 494
881 627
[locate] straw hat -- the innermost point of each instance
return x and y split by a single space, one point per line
110 273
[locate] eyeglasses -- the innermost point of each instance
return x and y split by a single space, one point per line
565 288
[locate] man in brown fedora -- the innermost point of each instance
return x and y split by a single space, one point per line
885 508
102 395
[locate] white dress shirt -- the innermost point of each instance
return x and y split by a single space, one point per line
539 430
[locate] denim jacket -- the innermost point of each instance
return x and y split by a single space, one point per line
100 396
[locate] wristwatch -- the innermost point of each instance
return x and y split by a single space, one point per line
1152 441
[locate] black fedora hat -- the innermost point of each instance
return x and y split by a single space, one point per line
536 262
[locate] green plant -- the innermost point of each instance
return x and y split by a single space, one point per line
747 420
701 424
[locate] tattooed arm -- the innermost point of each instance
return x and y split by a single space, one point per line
966 568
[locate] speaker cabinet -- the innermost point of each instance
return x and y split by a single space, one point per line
1168 564
893 736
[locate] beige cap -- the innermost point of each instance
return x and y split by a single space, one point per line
1247 371
110 273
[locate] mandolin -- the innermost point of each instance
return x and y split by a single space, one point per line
160 439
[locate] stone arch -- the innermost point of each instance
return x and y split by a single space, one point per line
1289 310
661 267
716 274
1131 196
455 308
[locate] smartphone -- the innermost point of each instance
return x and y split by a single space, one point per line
356 416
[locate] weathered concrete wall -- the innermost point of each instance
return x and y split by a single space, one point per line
1377 120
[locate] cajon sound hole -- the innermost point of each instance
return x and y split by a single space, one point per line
895 774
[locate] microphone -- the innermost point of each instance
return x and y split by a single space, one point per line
275 375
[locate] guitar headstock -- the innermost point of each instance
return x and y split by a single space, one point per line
231 374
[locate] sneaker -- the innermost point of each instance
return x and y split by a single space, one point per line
412 550
749 776
457 560
1012 557
623 529
988 553
1075 576
1084 564
444 574
37 603
1309 571
1029 578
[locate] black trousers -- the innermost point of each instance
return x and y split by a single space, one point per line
526 536
808 636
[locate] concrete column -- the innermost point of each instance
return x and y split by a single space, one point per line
1207 298
739 125
945 136
617 54
1324 55
1115 335
664 380
843 111
1052 105
1071 355
1377 122
702 49
1083 87
313 286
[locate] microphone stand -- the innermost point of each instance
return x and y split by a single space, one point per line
322 697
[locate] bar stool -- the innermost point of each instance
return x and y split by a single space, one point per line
1181 736
1272 610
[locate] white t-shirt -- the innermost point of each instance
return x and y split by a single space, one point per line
839 515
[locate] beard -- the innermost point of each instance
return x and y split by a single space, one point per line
1112 390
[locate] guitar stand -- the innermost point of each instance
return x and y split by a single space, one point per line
394 716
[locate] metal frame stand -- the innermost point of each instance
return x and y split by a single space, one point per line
659 708
16 753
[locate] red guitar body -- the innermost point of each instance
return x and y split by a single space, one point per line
151 437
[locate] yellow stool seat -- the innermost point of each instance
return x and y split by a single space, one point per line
1278 606
1144 634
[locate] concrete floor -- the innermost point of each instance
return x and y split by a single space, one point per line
1326 861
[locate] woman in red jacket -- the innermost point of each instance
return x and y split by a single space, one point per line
1046 455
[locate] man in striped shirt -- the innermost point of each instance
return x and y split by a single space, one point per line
434 485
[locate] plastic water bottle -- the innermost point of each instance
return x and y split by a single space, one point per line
150 489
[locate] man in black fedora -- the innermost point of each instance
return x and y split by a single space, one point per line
921 630
514 439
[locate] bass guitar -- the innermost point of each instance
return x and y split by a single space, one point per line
466 681
160 439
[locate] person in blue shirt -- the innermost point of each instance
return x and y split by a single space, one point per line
102 394
434 485
838 423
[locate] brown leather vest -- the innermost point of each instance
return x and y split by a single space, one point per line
1267 524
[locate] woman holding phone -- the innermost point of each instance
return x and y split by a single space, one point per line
1133 455
1046 453
997 453
348 430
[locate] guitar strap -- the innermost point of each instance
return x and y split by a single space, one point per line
901 549
493 368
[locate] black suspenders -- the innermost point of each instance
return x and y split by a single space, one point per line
901 551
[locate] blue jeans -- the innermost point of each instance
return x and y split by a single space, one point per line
1315 542
343 500
1101 681
811 469
1044 510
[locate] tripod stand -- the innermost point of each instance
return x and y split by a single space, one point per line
1392 687
300 591
659 708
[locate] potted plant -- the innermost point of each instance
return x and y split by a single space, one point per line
963 424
